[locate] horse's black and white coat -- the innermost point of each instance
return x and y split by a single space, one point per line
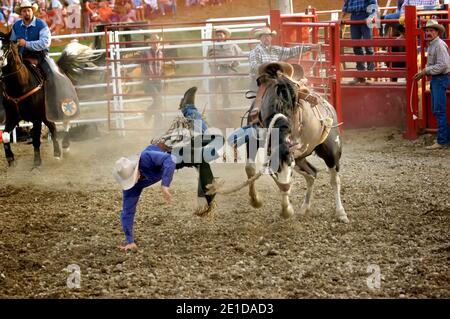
306 123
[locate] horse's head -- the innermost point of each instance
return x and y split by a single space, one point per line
8 50
280 97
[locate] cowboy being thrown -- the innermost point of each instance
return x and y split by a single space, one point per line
34 38
157 162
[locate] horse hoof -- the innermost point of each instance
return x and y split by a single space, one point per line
58 158
202 211
255 202
305 209
342 216
66 150
287 212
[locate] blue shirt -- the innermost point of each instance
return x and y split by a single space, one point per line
154 165
37 34
357 5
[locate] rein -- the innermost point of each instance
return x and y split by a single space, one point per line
12 73
17 100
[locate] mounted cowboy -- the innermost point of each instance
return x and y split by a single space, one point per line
34 38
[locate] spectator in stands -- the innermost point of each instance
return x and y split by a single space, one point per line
73 18
152 69
106 13
89 15
139 7
266 52
150 8
10 17
426 4
56 17
438 66
221 49
361 10
164 4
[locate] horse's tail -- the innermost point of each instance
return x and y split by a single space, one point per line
77 59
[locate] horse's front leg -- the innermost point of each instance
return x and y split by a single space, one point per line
37 127
250 169
283 181
335 181
6 137
52 128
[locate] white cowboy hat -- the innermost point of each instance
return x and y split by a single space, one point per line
126 171
435 25
266 30
225 31
26 4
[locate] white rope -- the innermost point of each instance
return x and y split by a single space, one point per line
414 116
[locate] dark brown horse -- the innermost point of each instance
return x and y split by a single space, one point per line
23 98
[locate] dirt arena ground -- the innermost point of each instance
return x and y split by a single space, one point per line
396 194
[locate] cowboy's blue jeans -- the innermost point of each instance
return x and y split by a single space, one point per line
439 84
190 112
361 31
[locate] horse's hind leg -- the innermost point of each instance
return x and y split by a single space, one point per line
37 127
309 172
335 182
330 151
66 137
52 128
9 127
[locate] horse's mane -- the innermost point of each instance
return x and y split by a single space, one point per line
281 94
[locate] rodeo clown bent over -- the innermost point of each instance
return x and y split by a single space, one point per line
158 161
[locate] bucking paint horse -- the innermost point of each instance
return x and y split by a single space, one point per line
306 123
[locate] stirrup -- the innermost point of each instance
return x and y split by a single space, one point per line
249 97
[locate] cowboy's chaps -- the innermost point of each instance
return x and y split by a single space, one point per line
60 96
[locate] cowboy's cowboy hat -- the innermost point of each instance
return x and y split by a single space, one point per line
434 25
153 37
26 4
225 31
126 171
263 31
272 68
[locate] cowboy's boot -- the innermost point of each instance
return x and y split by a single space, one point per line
189 97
